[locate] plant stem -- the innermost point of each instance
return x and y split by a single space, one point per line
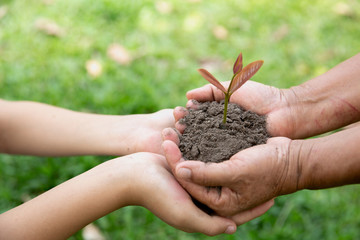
227 96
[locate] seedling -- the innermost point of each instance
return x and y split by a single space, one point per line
241 75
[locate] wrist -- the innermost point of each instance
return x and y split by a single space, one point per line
325 103
123 180
133 177
298 151
131 134
119 134
330 161
297 110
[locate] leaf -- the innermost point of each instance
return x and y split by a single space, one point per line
245 75
92 232
49 27
93 68
281 32
238 64
164 7
3 11
48 2
212 64
119 54
343 9
211 79
220 32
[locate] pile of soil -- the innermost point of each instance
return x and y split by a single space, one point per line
207 139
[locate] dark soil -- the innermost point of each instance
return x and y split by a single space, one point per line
206 139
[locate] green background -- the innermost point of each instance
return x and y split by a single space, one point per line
298 40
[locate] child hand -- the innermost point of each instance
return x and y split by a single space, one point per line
154 187
139 132
142 179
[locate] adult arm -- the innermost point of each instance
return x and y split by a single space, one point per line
322 104
257 174
32 128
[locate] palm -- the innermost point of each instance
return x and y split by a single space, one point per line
162 194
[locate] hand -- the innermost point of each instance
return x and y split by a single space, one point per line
153 186
250 178
54 131
148 137
261 99
154 181
138 179
139 132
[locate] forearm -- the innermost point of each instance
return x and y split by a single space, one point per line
327 102
65 209
38 129
326 162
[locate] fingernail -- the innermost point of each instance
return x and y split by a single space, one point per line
166 132
182 109
184 173
230 230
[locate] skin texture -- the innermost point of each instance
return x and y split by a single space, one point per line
319 105
54 131
141 178
285 164
60 212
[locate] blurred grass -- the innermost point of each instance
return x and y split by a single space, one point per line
297 40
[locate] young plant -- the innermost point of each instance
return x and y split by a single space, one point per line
241 75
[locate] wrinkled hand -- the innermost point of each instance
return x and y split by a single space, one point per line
276 104
249 180
162 194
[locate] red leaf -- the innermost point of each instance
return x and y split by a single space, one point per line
211 79
245 75
238 64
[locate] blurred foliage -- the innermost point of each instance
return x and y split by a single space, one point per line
167 42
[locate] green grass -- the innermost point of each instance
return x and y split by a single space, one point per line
297 40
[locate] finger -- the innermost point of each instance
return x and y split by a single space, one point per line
210 174
176 207
198 221
171 134
180 127
206 93
253 213
212 198
172 154
351 126
179 113
189 218
194 219
196 177
192 104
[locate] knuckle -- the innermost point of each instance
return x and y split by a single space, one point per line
217 201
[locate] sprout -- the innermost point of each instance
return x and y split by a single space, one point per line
241 75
